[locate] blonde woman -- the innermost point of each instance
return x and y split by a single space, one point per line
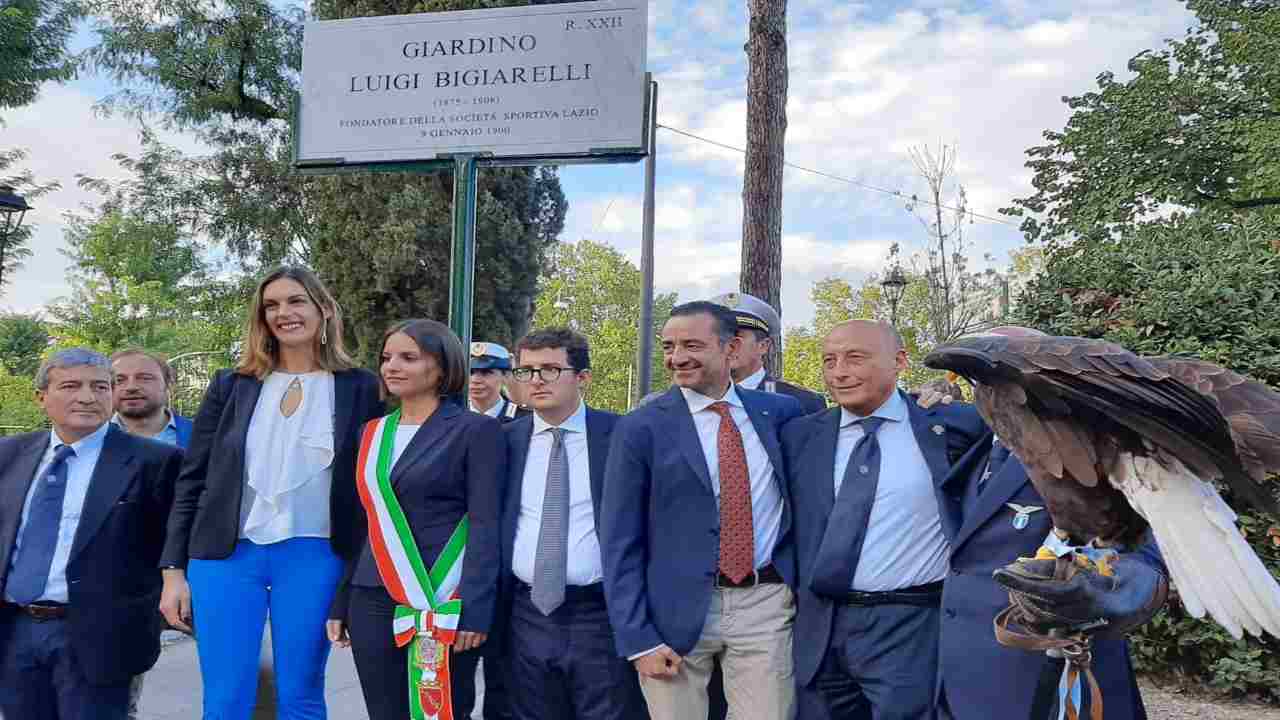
265 508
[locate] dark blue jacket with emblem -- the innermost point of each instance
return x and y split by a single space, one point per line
982 679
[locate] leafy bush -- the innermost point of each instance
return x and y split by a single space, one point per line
1205 286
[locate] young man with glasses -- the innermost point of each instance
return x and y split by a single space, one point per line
564 664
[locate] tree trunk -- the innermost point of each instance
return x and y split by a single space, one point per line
766 135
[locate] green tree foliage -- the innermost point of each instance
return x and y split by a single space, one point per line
596 290
1198 125
380 240
140 276
1203 284
23 341
33 44
18 409
836 301
13 246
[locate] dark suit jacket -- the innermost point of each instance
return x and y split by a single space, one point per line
205 522
519 434
975 671
810 448
810 401
511 412
452 467
112 576
660 523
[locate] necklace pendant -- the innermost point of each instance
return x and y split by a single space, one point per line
292 398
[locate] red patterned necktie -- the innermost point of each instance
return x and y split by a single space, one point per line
737 541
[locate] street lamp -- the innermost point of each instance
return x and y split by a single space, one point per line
894 284
12 208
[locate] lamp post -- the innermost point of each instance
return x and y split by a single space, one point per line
12 208
894 284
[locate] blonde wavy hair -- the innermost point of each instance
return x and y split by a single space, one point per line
261 352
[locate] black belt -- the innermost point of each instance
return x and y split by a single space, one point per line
40 611
767 575
929 595
572 593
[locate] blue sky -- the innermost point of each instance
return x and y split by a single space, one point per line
868 81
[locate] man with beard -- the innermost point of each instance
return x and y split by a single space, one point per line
141 398
696 532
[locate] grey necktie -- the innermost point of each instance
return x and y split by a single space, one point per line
553 537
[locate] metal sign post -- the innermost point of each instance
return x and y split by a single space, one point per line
462 254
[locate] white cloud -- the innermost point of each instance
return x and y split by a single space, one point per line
64 139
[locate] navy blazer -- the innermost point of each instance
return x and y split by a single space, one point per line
660 521
519 432
113 581
453 466
975 671
810 448
205 522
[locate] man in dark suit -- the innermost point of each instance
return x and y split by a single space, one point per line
758 328
82 524
696 529
872 550
563 661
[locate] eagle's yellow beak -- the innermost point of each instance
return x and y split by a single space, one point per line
952 377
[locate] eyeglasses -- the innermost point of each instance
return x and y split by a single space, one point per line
545 374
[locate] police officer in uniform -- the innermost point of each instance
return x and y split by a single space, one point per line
758 326
490 370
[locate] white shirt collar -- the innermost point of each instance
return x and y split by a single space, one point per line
698 402
752 381
895 409
577 422
491 412
92 441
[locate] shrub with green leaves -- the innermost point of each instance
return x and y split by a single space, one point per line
1204 285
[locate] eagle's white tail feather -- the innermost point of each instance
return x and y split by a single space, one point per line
1210 562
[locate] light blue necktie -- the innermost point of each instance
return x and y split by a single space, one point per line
31 568
847 527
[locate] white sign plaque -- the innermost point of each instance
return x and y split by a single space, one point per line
552 81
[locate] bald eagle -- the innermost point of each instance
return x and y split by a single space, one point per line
1115 443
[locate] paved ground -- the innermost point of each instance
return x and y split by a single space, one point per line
172 688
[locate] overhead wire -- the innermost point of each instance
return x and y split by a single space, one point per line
838 178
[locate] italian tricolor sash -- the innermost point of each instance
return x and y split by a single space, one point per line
426 616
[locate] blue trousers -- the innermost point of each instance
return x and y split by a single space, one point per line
565 666
291 581
882 663
41 680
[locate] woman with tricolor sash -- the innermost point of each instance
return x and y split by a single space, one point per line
420 595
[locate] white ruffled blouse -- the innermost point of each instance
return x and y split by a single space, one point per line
289 461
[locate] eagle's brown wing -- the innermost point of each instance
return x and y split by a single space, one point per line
1252 411
1115 394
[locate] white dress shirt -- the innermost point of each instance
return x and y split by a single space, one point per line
584 564
904 545
79 473
752 381
288 461
766 497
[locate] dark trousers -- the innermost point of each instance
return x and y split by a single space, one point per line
41 680
882 663
565 666
383 668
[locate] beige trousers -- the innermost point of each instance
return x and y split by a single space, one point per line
750 630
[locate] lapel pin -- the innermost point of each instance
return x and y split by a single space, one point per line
1022 514
938 429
